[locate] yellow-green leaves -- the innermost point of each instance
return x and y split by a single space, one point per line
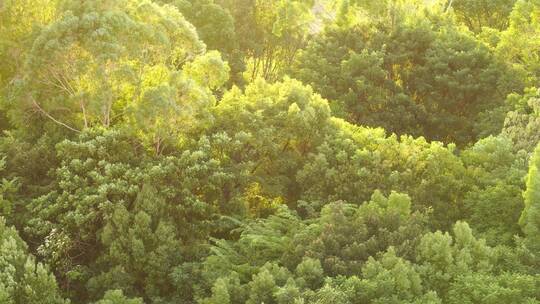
208 70
521 41
478 15
530 218
105 64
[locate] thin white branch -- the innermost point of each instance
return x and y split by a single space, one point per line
40 109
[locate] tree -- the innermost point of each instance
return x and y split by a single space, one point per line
173 103
494 200
213 22
443 259
482 288
104 226
460 80
261 288
530 218
19 22
220 293
343 66
519 43
356 161
216 27
22 279
117 297
275 126
390 279
478 14
421 75
8 191
24 176
18 25
141 245
392 169
102 63
284 257
522 123
310 273
328 294
272 32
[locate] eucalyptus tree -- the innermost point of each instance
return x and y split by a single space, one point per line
272 32
519 43
103 63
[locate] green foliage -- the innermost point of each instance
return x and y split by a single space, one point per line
276 126
417 76
479 14
220 293
446 269
101 64
213 22
388 11
8 190
530 218
22 279
522 124
328 294
338 242
117 297
353 76
507 288
494 201
519 43
443 258
389 279
356 161
158 151
271 32
19 21
106 226
216 27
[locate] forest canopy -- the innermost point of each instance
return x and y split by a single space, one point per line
269 151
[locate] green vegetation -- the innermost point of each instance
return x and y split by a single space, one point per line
269 151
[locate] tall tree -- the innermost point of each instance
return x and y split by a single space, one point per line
19 23
102 61
530 218
520 42
22 279
478 14
104 226
522 123
216 27
495 182
272 32
422 75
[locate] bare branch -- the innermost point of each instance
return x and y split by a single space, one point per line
52 118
